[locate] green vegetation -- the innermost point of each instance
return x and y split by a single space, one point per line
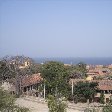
102 97
56 105
108 107
7 103
6 70
33 68
79 71
9 67
56 78
85 90
81 68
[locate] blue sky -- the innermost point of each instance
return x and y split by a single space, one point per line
56 28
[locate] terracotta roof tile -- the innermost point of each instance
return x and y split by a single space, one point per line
31 79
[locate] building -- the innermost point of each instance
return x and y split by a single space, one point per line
104 86
30 83
27 85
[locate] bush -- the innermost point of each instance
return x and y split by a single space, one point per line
56 105
107 108
102 97
7 103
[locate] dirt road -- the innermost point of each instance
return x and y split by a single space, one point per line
35 106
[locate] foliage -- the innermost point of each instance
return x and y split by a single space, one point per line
56 78
31 69
102 98
107 108
81 68
87 110
6 70
92 110
79 71
10 68
56 105
85 90
7 103
99 77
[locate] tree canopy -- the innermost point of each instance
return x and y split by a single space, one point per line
56 105
85 90
7 103
56 77
78 71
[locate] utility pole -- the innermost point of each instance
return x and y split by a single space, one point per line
72 87
44 90
17 77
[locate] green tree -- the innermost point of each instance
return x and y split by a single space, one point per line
81 69
56 105
31 69
7 103
102 98
6 70
107 108
9 68
78 71
85 90
56 77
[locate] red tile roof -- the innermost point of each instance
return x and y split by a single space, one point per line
105 84
102 84
31 79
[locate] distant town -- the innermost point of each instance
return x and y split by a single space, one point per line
88 85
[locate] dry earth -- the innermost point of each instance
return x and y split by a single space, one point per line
35 105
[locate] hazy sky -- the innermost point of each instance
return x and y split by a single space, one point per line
56 28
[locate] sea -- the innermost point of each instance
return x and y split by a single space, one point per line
72 60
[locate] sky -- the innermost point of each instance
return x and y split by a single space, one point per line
56 28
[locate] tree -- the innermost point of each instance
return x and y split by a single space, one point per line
56 78
102 98
78 71
10 68
31 69
55 105
6 70
81 69
107 108
85 90
7 103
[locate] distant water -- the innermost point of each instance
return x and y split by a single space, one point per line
92 61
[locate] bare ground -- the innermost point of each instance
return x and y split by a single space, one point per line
37 105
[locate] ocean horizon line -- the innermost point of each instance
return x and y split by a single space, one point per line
69 60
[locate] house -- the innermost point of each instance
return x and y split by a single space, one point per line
30 83
104 86
27 85
98 72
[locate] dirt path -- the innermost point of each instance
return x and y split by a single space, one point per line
35 106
